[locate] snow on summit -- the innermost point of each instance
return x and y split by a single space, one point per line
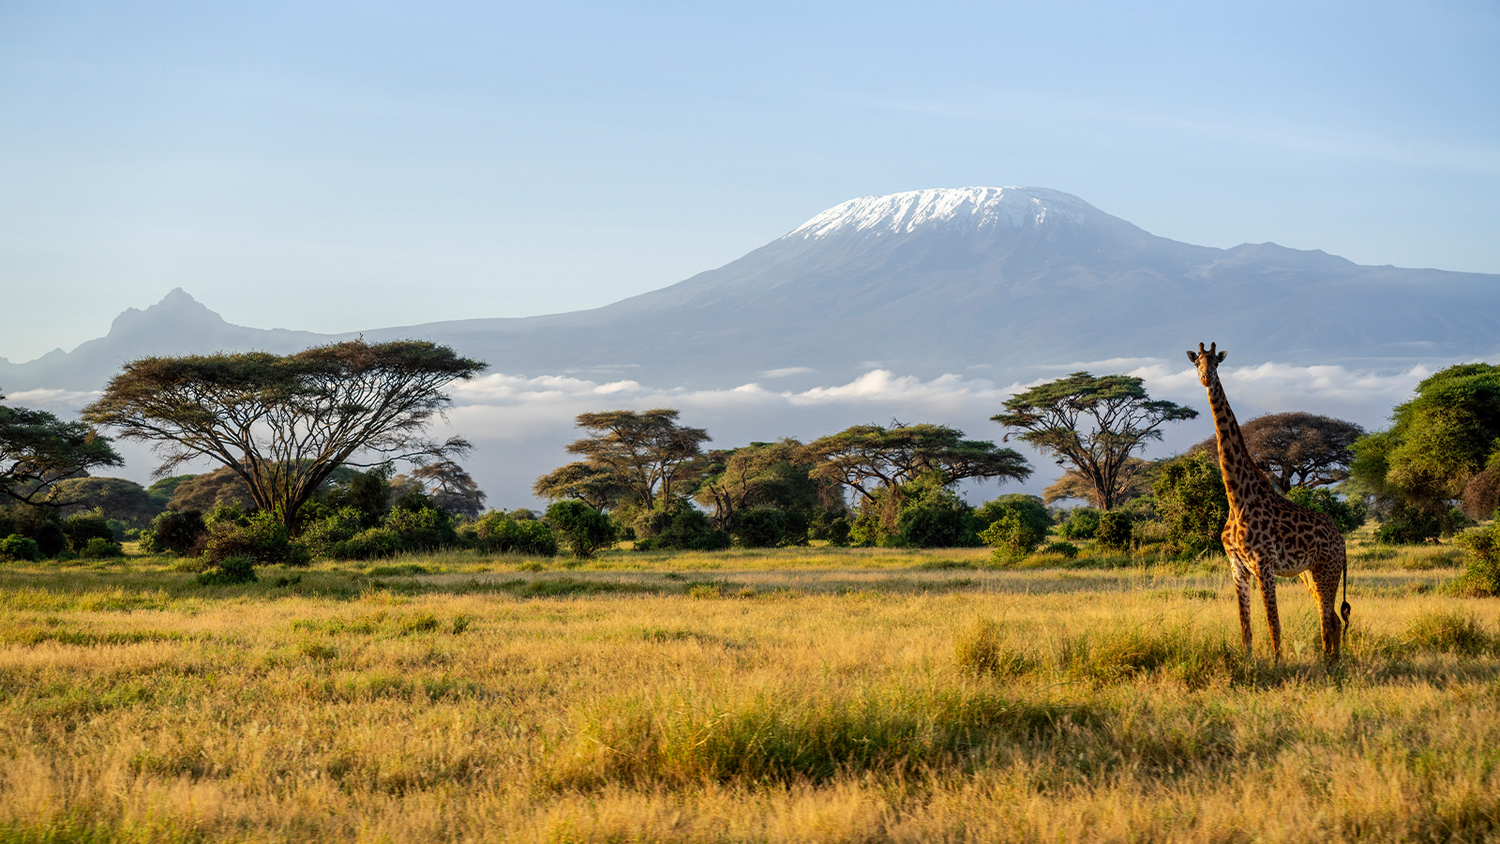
969 207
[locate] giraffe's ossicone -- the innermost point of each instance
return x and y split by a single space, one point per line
1266 536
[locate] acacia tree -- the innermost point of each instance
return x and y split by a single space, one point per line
631 457
1297 449
450 488
869 458
596 486
1136 477
38 451
775 474
285 423
893 469
1118 418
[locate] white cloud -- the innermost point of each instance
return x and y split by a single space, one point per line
56 401
520 425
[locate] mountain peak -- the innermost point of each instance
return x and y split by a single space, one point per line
968 208
175 308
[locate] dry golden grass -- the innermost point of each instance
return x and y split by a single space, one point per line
842 696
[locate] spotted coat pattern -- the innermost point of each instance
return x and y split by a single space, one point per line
1266 535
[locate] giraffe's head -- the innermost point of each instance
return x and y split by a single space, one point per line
1207 360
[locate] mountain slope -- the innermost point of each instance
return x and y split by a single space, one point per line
1005 281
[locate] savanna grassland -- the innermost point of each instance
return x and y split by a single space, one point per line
792 695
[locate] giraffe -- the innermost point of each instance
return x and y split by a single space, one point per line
1267 535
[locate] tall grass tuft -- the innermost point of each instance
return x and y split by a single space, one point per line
981 648
774 738
1449 632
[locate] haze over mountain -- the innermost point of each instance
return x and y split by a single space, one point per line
1003 283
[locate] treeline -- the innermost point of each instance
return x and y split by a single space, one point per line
307 443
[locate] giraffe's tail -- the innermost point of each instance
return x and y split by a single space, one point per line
1344 608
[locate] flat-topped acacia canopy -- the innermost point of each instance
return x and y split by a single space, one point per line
284 423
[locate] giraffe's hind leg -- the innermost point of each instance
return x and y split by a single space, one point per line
1325 588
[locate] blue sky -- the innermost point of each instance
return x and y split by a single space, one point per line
342 166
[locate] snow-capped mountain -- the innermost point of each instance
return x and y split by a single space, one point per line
966 209
1009 283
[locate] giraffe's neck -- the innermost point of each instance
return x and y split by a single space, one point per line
1243 482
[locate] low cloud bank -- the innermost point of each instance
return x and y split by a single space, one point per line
521 425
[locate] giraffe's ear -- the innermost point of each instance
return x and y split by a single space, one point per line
1192 357
1223 355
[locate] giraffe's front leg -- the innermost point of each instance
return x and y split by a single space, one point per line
1242 577
1265 569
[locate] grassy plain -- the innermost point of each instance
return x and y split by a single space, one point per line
795 695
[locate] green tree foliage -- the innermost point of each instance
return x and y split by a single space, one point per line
367 493
38 451
1017 525
285 423
766 477
630 458
1191 503
115 498
585 529
1448 433
162 490
1347 515
767 527
1092 425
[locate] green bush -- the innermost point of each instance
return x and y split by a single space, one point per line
1406 525
1082 523
99 548
39 524
1115 530
80 529
585 529
1483 574
763 527
421 528
180 533
1190 503
324 536
23 549
258 537
1019 524
1063 549
230 571
504 533
369 544
680 526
